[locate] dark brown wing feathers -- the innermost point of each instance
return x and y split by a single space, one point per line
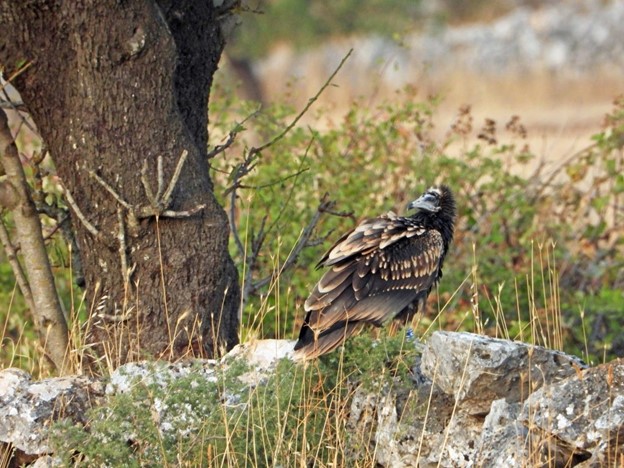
375 272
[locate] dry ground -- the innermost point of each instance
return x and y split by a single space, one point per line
560 111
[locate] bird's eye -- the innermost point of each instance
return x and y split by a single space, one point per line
432 196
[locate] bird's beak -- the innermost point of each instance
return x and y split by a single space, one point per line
425 202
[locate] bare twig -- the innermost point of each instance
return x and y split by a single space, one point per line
256 245
302 242
8 103
305 240
145 182
123 255
15 74
231 136
158 205
221 148
275 182
234 226
83 219
241 171
111 190
292 187
4 104
56 227
311 101
182 213
249 162
245 167
564 164
166 200
161 176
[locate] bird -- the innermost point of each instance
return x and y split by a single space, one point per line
380 271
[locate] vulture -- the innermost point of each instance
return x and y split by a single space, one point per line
382 270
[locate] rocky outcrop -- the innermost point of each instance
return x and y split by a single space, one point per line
27 408
498 403
472 401
477 370
574 38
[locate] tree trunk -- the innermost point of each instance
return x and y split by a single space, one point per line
114 86
39 291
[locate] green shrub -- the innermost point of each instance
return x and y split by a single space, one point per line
295 415
519 228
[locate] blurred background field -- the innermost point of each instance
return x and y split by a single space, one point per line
514 104
557 64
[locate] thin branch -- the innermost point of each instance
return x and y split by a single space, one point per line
275 182
11 253
183 213
15 74
311 101
159 204
160 174
234 226
121 237
232 136
145 182
63 220
244 168
110 190
221 148
5 104
55 228
256 245
292 187
74 206
241 171
248 163
166 200
304 241
18 107
233 196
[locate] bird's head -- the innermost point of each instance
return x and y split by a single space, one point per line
430 201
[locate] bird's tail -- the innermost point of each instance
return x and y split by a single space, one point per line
310 347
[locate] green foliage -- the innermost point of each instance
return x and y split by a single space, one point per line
371 362
291 417
196 421
517 225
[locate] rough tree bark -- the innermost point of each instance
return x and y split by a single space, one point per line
113 86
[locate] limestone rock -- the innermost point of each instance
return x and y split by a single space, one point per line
478 370
28 408
581 418
262 356
157 373
502 440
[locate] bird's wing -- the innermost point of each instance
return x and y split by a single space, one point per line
376 270
370 234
